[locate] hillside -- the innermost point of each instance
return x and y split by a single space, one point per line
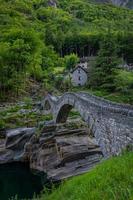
111 180
35 37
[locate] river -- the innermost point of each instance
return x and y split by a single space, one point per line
17 179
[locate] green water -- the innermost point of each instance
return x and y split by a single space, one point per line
17 179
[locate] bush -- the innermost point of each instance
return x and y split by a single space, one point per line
71 60
124 81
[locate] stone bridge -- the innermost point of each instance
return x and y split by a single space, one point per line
110 123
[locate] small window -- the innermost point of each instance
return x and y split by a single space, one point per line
79 78
79 71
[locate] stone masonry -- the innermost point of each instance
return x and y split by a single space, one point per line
110 123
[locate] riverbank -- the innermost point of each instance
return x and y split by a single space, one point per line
110 180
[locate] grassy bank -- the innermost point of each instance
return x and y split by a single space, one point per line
111 180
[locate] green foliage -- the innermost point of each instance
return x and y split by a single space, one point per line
112 179
2 124
124 81
71 61
41 124
35 38
27 103
18 50
58 81
21 116
116 96
74 114
66 85
103 72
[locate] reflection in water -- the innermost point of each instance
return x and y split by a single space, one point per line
17 179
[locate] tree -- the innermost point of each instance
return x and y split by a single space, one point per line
104 70
124 81
71 60
18 52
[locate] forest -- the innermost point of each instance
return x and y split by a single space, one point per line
39 41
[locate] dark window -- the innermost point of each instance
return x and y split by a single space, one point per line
79 71
79 78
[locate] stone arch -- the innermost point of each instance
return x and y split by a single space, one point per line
92 120
63 113
65 106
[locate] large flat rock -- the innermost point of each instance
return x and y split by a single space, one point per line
63 153
59 151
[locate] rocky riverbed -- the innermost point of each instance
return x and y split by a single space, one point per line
61 150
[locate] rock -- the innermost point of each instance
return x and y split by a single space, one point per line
38 105
46 123
62 153
52 3
16 138
74 168
30 111
6 156
2 133
12 148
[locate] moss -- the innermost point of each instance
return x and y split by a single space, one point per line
74 114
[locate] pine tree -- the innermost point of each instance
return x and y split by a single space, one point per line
104 70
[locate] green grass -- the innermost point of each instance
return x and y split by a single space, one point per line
74 114
111 180
119 97
12 118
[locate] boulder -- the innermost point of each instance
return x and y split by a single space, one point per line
16 139
62 153
6 156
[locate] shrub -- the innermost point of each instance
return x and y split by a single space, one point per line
71 60
124 80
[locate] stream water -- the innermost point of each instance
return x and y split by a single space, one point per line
16 179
